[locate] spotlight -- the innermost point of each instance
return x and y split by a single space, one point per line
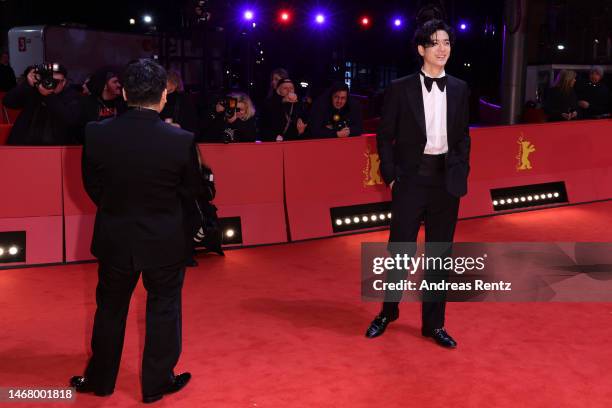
12 246
147 19
365 21
560 47
495 202
529 195
284 16
248 15
230 233
320 18
132 21
362 216
397 22
463 26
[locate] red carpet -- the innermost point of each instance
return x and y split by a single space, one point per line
282 326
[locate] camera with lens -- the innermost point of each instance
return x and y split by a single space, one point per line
44 73
229 104
338 123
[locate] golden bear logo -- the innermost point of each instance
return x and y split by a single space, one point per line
372 169
525 149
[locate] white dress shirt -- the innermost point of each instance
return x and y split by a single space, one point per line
435 117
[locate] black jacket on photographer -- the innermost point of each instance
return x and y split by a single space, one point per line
281 119
219 130
181 110
44 120
326 120
598 97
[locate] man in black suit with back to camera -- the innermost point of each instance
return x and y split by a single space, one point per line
136 169
424 145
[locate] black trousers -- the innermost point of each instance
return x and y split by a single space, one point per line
422 198
163 325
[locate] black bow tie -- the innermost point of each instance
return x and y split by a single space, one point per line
429 82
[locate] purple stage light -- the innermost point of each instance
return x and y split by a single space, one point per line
463 26
320 18
397 22
248 15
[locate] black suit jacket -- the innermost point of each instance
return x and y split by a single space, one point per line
402 136
137 169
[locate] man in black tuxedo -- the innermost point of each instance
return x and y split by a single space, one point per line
424 144
136 169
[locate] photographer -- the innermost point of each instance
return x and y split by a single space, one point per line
336 114
104 100
285 117
233 120
50 111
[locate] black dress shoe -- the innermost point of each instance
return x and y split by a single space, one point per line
81 384
441 337
379 325
177 384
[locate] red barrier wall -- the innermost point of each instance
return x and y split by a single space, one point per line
249 181
5 130
275 185
321 174
79 210
31 200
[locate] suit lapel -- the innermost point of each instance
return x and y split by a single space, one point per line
452 101
415 99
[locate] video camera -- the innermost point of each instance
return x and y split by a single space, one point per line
45 75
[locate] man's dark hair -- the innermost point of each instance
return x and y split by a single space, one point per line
339 87
424 32
144 82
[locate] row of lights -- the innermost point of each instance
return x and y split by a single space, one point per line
320 18
522 199
11 251
363 219
147 19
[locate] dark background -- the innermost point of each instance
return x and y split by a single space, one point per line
320 55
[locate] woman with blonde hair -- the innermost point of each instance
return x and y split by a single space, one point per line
234 120
561 102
